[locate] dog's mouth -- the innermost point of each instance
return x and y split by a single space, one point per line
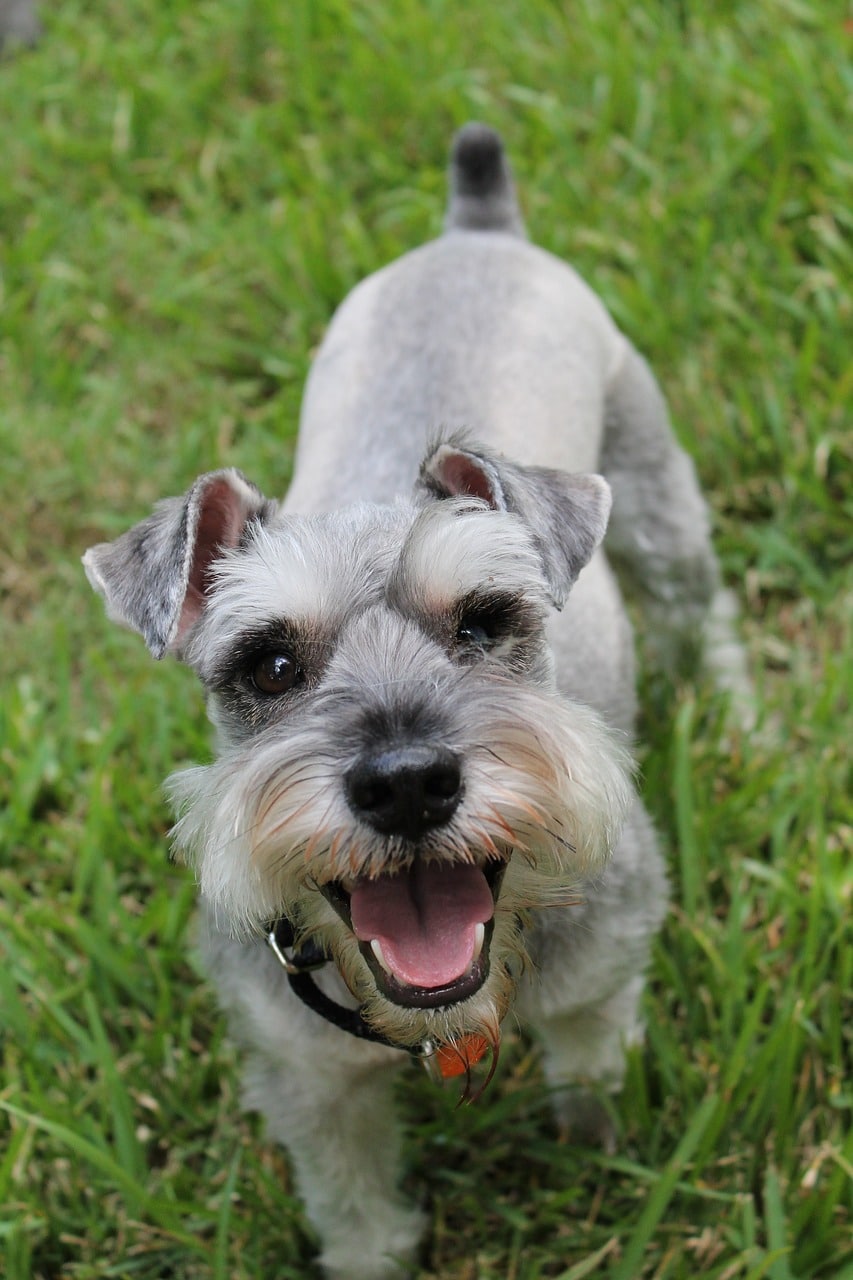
425 930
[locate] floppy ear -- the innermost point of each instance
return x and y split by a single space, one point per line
565 512
156 576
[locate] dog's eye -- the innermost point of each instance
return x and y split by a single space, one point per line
473 632
277 673
481 628
484 621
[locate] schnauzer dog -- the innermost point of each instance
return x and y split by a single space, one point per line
421 673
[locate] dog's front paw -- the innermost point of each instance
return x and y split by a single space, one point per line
584 1118
385 1250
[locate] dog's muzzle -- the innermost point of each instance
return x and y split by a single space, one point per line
423 927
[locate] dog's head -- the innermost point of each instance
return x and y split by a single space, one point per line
397 773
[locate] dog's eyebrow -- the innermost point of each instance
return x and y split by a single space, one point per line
450 553
509 610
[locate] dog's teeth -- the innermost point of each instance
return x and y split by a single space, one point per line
479 939
376 948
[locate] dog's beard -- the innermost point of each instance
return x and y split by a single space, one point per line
478 1014
269 832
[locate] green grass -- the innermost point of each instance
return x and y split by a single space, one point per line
186 191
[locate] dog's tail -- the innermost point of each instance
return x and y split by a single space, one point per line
482 191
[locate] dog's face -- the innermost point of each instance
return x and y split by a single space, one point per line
396 772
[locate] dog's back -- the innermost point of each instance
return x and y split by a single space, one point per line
478 330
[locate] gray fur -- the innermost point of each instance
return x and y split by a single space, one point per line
444 505
19 23
154 576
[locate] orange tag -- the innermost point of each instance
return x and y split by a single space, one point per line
458 1058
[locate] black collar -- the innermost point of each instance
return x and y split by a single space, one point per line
299 964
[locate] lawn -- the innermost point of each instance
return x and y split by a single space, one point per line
186 192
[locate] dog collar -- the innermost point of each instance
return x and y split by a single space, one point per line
300 963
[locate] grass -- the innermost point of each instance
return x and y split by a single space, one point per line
187 191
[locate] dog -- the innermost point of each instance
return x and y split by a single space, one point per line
422 813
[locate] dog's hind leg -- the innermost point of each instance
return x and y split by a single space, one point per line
659 537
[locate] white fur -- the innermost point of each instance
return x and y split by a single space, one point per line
458 546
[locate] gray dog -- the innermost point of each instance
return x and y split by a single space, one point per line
421 673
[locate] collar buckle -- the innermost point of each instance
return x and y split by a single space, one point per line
280 937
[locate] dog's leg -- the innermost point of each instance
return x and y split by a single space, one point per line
659 537
339 1127
327 1097
584 1000
584 1059
19 24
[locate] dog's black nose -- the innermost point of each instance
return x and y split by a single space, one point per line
403 791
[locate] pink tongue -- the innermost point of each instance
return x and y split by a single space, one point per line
425 920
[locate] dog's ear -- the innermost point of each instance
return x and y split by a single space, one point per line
566 513
155 577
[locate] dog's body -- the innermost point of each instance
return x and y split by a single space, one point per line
420 770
